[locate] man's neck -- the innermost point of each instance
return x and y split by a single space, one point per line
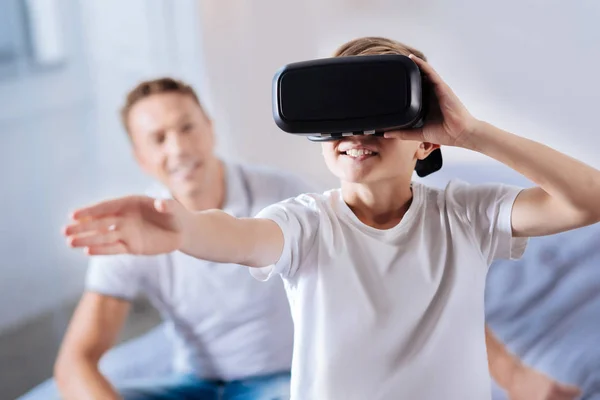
380 205
212 194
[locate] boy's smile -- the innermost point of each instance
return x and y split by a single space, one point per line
357 151
363 159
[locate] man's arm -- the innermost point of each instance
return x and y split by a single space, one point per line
92 331
568 192
520 381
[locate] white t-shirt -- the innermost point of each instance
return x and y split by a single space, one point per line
223 323
397 313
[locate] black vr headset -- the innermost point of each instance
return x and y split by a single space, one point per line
331 98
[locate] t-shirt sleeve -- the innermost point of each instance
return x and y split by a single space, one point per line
298 219
116 276
488 209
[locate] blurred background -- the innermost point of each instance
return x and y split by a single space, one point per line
529 66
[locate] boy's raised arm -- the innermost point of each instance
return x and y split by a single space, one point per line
568 190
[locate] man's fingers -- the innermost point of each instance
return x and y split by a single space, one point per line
94 239
111 249
90 225
568 390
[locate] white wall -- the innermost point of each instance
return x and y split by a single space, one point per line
526 65
244 45
44 130
129 42
61 142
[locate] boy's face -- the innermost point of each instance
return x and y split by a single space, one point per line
370 159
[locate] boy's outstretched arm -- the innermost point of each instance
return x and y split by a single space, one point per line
568 192
217 236
142 225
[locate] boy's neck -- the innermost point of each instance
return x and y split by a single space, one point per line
379 205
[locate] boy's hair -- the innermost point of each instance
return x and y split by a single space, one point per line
375 45
155 86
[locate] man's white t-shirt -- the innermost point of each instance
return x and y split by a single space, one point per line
222 323
397 313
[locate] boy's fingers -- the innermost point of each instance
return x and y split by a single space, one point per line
414 134
101 209
167 206
100 239
164 205
88 225
439 86
433 76
111 249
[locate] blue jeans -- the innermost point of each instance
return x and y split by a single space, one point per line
189 387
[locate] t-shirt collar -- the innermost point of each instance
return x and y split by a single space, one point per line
401 227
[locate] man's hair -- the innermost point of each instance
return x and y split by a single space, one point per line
375 45
155 86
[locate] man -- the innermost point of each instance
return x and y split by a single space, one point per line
232 335
223 342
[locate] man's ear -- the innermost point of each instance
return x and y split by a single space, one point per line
211 131
425 149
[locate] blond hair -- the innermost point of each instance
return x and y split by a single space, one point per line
375 45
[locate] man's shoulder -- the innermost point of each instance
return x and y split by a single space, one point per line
274 184
268 172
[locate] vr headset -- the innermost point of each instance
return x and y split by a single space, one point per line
331 98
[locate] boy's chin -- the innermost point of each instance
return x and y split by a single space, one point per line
357 177
368 177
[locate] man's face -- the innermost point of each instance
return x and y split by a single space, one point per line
173 141
371 159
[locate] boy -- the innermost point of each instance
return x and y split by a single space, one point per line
385 276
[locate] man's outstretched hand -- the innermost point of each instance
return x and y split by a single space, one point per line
128 225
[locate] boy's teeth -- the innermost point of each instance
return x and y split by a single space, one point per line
358 152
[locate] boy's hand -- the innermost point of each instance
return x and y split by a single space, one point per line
448 123
134 225
529 384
